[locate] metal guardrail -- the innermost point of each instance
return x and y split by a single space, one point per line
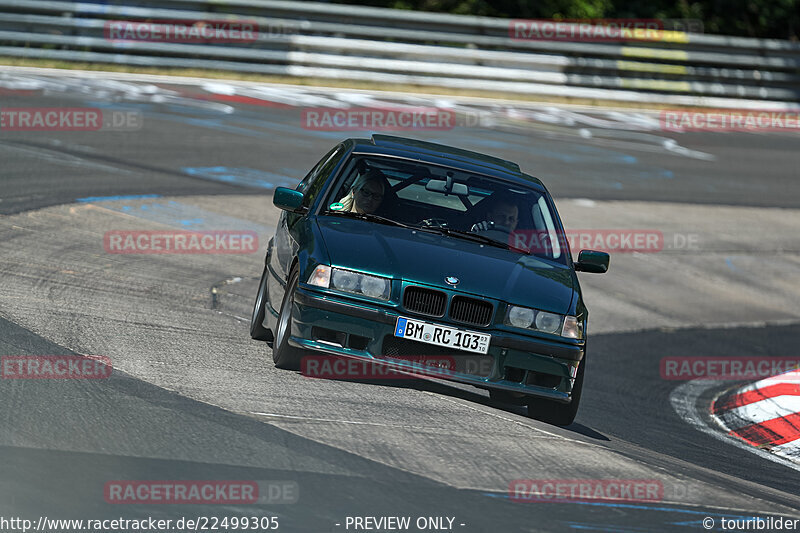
310 39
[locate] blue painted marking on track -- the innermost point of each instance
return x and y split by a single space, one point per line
729 264
242 121
253 124
93 199
281 128
594 153
217 125
251 118
248 177
657 173
185 216
215 120
616 528
644 507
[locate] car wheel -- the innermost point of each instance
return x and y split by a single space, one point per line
257 330
283 355
557 413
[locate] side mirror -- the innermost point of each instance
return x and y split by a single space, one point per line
591 261
287 199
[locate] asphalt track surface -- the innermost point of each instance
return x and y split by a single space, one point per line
191 397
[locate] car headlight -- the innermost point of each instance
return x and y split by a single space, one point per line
520 317
573 328
321 277
526 318
349 281
344 280
375 287
549 322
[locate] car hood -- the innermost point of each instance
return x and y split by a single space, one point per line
428 258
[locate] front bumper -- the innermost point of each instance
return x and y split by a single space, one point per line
339 326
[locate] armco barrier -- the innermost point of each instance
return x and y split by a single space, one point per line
311 39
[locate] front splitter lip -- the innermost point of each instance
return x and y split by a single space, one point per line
429 373
565 350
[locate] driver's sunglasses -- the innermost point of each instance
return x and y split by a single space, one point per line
367 194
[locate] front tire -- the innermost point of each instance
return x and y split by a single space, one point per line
284 355
557 413
257 330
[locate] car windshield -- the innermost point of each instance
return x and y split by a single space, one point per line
451 201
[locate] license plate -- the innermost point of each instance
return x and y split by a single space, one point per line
459 339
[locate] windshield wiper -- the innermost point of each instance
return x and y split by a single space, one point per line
371 217
477 238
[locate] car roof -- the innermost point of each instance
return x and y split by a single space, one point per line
443 155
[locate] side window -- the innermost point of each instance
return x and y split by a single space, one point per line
549 226
311 185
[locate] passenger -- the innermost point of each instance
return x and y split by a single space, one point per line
367 193
503 213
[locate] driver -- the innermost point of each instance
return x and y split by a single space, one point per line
502 212
367 193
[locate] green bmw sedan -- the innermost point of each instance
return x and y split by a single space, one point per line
429 261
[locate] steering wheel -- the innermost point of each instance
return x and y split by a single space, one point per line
535 242
495 232
434 223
